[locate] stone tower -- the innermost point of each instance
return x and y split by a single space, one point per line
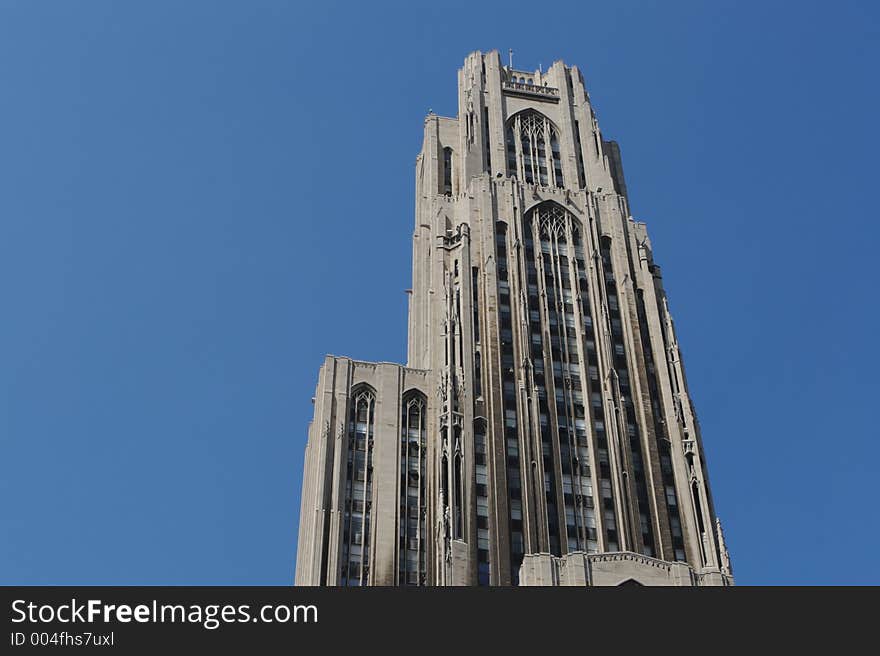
541 432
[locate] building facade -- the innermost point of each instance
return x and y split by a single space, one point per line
541 432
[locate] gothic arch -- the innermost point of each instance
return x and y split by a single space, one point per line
448 172
412 551
533 151
552 216
414 391
531 114
359 388
357 526
558 298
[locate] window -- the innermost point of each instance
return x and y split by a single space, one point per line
413 440
483 569
528 136
517 544
447 171
358 489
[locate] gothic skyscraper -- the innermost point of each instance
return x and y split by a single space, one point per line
541 432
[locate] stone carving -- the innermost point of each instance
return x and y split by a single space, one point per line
441 387
446 537
630 556
722 548
459 387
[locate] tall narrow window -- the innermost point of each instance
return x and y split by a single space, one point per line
511 420
582 178
478 368
413 536
487 140
482 494
447 171
554 261
355 559
510 142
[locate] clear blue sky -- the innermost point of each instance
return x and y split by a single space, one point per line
198 200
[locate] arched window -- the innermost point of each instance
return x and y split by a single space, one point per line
561 357
447 171
355 559
412 566
533 149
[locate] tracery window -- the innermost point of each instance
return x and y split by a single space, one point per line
555 260
413 536
355 559
533 149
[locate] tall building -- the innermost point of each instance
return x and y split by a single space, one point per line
541 432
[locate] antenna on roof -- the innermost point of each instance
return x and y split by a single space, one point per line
510 57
